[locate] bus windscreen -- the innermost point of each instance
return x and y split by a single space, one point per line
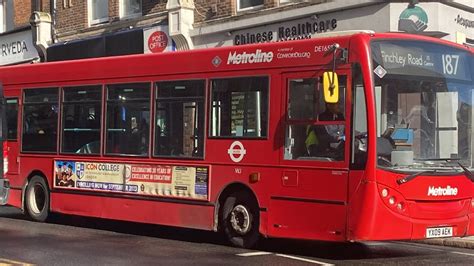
424 105
420 59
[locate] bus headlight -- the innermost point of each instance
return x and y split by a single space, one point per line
400 206
393 199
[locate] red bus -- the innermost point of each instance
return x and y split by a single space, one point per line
347 137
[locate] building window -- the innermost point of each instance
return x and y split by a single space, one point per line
98 11
35 5
2 17
243 5
67 3
130 8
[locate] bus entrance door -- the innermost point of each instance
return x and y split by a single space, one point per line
312 199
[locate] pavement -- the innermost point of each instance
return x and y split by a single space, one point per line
459 242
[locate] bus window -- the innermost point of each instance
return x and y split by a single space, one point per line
12 118
40 120
359 123
81 116
315 129
239 107
128 119
179 127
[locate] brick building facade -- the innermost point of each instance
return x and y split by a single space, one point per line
72 20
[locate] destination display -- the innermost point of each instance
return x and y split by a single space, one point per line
420 59
149 180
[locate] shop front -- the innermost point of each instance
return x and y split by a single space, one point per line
16 47
134 41
426 18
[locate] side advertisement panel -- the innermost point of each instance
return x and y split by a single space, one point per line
149 180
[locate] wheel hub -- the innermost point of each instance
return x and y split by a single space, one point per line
240 220
37 199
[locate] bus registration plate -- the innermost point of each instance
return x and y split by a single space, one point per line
439 232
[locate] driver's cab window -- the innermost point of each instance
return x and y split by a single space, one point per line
314 130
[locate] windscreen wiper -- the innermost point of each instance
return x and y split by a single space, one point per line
467 173
407 178
413 176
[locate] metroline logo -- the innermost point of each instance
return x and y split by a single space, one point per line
441 191
249 58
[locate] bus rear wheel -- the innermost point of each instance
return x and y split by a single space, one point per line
240 220
37 199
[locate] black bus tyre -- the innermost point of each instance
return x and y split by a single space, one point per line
240 220
37 199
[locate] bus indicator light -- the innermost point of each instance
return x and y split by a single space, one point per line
254 177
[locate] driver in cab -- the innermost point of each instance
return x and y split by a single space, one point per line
320 137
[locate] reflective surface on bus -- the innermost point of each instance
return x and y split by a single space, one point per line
424 105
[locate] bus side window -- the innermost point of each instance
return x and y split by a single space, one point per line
81 116
128 119
179 125
239 107
359 122
12 118
40 120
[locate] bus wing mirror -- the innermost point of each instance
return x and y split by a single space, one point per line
330 87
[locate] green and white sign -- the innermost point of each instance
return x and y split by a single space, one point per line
413 19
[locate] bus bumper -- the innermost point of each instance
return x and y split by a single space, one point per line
4 191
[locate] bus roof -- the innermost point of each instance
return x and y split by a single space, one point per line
286 55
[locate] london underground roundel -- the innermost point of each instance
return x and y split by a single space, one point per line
236 151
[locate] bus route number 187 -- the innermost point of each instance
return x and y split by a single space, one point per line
450 64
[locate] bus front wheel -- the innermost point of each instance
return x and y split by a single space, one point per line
240 220
37 199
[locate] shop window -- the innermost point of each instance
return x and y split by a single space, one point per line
98 11
81 116
243 5
40 120
12 118
239 107
128 119
130 8
179 125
